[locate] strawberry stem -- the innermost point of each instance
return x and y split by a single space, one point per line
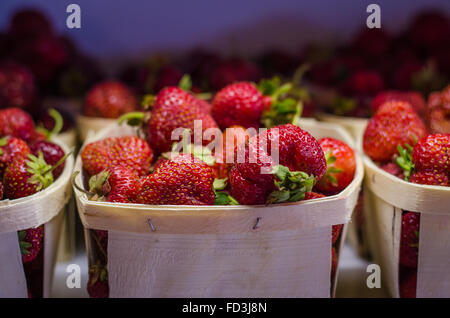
132 118
76 186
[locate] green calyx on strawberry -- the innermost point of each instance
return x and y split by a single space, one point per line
222 197
3 142
99 185
40 171
279 108
30 243
404 160
331 169
134 118
59 122
291 185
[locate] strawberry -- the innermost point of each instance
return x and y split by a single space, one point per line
432 153
26 176
430 178
341 166
233 70
16 123
47 119
392 126
174 108
128 151
336 229
109 99
413 98
117 184
52 154
10 149
372 42
301 162
169 75
182 180
429 29
402 76
31 241
408 282
238 104
439 111
409 240
17 87
98 282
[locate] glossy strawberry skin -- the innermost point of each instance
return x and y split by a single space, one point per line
409 240
430 178
345 161
52 154
13 149
16 123
393 169
109 99
182 180
432 153
238 104
389 129
124 185
129 151
175 108
16 179
17 87
34 240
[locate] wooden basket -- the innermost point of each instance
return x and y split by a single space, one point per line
388 196
221 251
45 207
89 126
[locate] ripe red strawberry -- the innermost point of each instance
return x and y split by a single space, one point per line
17 87
98 282
52 154
409 240
30 242
117 184
413 98
439 111
109 99
233 70
432 153
341 166
408 282
363 83
17 123
128 151
336 229
238 104
10 149
389 129
301 161
430 178
26 176
182 180
174 108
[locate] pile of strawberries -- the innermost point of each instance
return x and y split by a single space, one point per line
29 163
398 141
149 170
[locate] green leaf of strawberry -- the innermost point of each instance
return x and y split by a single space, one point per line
222 197
404 160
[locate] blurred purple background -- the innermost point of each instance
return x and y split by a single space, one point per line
132 28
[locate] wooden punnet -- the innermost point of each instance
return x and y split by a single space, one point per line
89 126
45 207
387 196
280 250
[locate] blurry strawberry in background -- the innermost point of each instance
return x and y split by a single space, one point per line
439 111
372 43
46 120
29 23
234 70
199 64
109 99
415 99
363 83
402 76
429 29
17 86
44 55
169 75
277 61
